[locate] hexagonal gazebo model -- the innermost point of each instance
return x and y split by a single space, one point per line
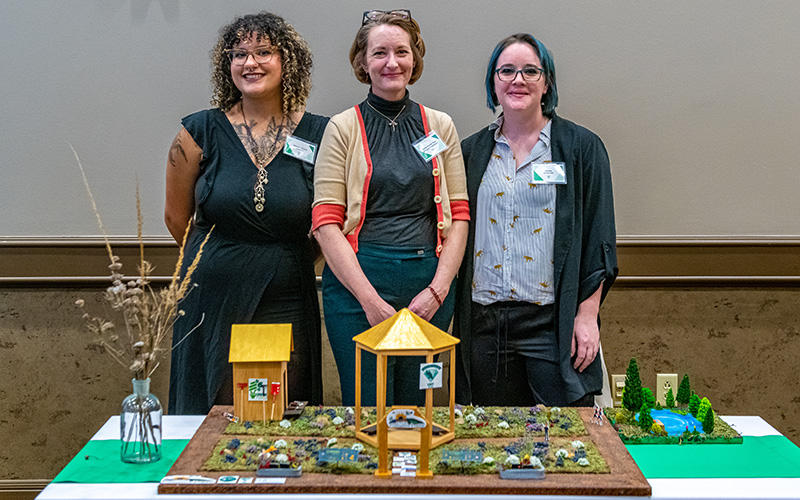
404 334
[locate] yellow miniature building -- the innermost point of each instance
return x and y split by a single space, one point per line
259 354
404 334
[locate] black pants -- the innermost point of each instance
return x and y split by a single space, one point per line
514 358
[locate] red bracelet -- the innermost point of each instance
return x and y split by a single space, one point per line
435 295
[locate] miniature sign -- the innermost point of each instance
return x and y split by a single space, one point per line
188 479
404 419
270 480
338 455
430 375
258 389
462 455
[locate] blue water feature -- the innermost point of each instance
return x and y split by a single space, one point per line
675 423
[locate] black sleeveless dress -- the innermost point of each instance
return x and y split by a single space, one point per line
255 268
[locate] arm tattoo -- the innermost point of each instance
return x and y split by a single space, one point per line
175 150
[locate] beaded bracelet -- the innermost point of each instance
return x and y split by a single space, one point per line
435 295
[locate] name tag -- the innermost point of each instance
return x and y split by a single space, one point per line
429 146
549 173
301 149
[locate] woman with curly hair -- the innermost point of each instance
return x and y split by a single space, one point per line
245 167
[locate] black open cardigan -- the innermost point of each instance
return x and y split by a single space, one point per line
584 253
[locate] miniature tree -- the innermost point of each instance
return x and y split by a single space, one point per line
648 398
705 406
708 421
684 391
670 399
645 420
694 404
657 429
658 405
632 393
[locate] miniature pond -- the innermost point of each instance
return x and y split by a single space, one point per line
674 423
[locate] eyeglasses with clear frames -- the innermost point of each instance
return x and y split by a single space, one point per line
509 73
261 55
369 15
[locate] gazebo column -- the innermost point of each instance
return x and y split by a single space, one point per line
381 425
426 433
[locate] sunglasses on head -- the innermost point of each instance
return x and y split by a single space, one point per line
371 15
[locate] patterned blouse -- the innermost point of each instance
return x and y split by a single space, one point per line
514 227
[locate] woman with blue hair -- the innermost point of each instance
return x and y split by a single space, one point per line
541 251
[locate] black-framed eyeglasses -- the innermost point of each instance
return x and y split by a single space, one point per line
261 55
370 15
509 73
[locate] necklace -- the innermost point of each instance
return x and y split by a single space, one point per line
392 121
261 163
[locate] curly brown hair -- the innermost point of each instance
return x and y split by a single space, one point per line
296 60
358 52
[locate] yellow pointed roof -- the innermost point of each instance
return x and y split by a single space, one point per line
405 331
254 343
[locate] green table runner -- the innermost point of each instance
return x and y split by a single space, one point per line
766 456
103 464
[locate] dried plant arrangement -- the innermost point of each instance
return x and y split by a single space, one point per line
148 314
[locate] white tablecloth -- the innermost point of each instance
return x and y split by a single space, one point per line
184 427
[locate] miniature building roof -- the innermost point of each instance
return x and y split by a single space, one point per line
253 343
405 331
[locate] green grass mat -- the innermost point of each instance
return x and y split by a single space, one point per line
103 464
767 456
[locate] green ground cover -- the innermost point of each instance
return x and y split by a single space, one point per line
471 422
234 454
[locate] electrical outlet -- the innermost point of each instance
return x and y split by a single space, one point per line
617 385
665 381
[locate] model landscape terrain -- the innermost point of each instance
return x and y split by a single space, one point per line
684 419
321 440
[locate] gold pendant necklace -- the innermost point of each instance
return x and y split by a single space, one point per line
392 121
261 162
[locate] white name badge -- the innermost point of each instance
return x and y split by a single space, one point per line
301 149
549 173
429 146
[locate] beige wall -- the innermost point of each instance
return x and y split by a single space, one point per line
696 101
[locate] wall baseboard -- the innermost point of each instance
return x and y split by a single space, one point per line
643 260
21 489
708 261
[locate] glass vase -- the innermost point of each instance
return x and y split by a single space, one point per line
140 425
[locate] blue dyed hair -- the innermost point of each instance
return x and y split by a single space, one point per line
550 99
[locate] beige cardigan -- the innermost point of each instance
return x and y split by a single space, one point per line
341 175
